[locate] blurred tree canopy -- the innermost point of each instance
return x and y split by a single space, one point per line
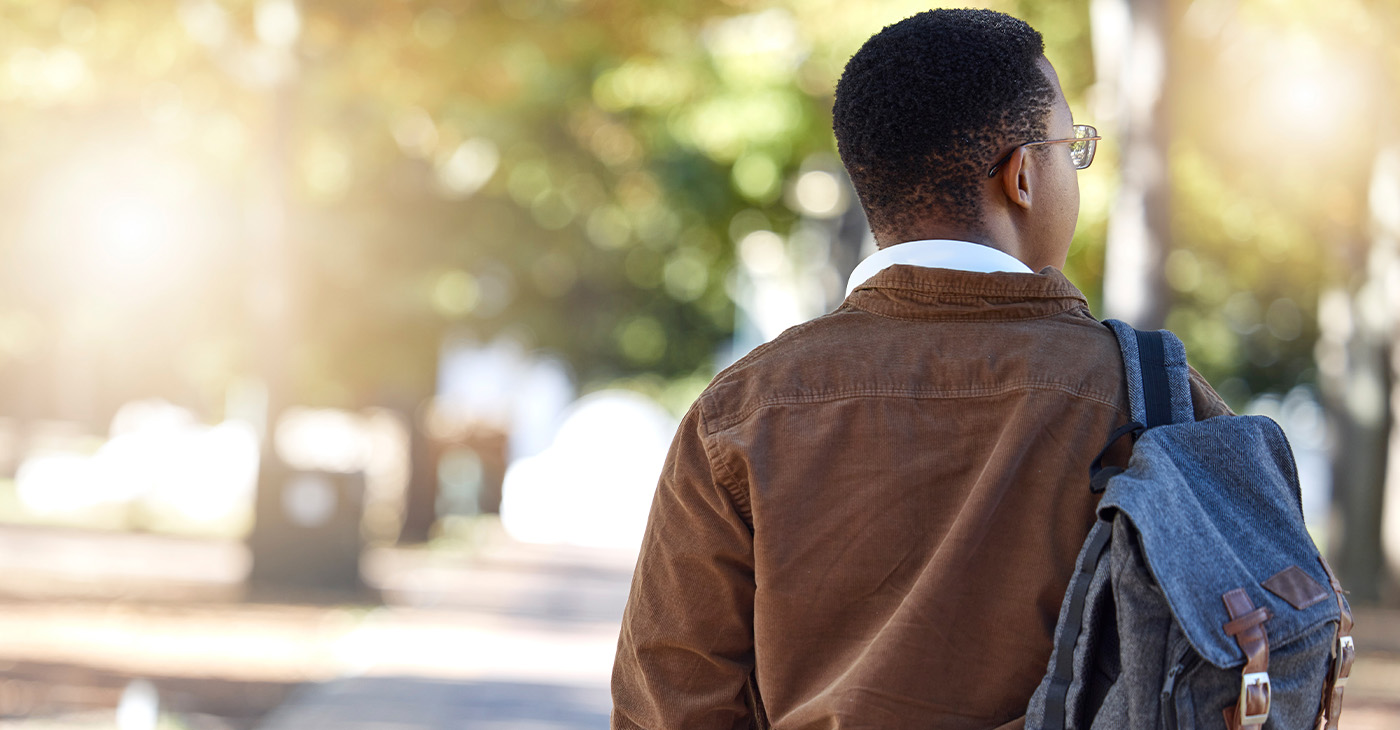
571 173
1281 108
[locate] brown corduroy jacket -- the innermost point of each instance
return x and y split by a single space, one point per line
870 521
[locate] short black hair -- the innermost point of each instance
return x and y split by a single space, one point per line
926 105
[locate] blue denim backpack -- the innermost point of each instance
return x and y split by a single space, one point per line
1198 599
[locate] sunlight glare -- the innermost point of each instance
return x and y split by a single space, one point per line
124 219
277 22
130 227
1307 92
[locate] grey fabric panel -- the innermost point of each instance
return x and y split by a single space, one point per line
1216 507
1098 617
1145 628
1296 673
1035 711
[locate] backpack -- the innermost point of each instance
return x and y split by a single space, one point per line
1198 599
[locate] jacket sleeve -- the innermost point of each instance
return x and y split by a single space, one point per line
1206 402
685 653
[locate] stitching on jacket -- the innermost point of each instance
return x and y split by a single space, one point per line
914 393
970 317
923 289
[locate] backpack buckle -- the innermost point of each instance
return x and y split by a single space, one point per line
1255 697
1346 652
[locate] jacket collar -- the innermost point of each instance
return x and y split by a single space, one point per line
918 292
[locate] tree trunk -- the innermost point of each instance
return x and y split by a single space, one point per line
1358 366
1130 49
1383 297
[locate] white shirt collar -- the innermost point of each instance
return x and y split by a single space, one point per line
940 254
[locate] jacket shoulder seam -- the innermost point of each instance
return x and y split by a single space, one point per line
915 394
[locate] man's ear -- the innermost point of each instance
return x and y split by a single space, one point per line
1014 178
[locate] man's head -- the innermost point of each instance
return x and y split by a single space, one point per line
929 104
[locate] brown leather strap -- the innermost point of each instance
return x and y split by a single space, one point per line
1249 620
1343 654
1246 624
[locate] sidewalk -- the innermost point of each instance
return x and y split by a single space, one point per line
522 638
502 636
506 635
415 703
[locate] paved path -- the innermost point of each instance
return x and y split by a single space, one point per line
416 703
493 635
504 636
519 637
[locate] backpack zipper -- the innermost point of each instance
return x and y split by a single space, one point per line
1169 689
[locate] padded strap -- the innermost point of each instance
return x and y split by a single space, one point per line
1073 623
1156 396
1159 380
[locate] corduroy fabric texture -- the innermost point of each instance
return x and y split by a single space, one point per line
870 521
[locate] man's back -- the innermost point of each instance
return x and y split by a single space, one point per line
893 495
871 521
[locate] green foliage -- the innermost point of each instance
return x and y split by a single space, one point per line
1277 118
568 172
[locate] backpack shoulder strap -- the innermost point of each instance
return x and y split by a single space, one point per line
1159 380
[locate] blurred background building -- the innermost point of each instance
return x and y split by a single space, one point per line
356 327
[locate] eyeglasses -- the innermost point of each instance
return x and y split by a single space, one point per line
1081 148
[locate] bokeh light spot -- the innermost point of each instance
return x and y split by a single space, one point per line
325 166
469 167
456 293
686 276
608 227
819 194
756 177
763 252
277 22
614 145
642 340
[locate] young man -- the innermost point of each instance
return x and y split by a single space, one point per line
871 520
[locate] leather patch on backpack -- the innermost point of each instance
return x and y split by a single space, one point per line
1294 585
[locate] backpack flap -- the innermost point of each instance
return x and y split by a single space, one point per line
1216 506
